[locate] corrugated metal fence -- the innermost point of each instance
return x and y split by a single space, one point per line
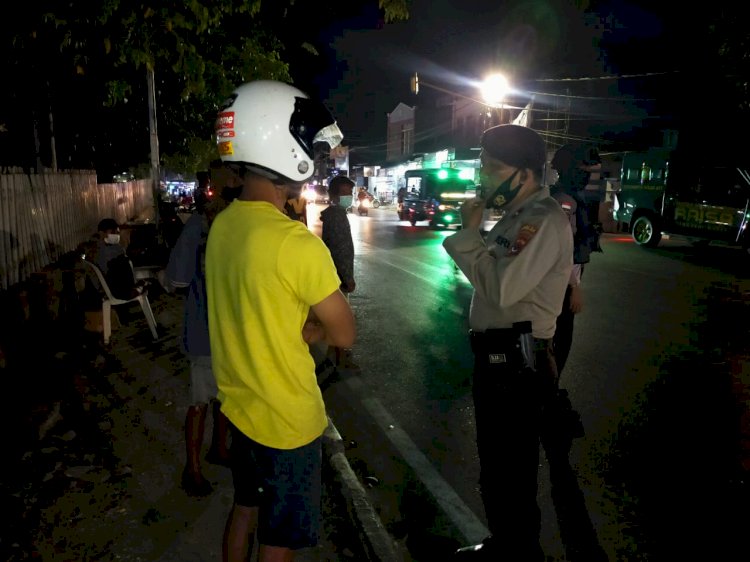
44 216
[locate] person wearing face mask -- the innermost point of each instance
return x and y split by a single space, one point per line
272 291
113 261
337 235
519 273
108 246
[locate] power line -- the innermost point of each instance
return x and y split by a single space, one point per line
606 77
620 99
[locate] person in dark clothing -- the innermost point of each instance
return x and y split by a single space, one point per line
186 270
203 191
106 252
574 164
337 235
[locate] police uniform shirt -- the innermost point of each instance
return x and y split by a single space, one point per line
520 272
570 207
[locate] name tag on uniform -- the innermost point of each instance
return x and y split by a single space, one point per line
497 358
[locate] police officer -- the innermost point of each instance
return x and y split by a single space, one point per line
519 273
574 164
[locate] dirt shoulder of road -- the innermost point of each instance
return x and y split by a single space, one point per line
97 449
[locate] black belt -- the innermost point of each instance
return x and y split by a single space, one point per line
509 346
503 338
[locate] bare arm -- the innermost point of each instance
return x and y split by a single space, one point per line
331 319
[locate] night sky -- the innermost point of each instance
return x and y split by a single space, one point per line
627 70
623 65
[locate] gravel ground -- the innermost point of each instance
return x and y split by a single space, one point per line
96 446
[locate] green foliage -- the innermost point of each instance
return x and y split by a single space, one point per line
394 10
198 155
98 53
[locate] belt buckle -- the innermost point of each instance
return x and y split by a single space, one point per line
497 358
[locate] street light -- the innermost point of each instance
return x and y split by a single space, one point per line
494 89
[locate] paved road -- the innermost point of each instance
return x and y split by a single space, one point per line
654 372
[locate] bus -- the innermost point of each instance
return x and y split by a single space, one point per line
435 195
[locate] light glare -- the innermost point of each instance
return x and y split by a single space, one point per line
494 88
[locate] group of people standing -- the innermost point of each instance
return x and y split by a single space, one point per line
262 289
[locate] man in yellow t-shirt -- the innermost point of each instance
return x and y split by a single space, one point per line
272 290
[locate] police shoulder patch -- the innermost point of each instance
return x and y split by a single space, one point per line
525 233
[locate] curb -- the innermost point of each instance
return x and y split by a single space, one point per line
377 544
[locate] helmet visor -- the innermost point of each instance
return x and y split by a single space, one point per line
330 135
311 123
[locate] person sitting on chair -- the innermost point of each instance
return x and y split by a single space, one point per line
110 257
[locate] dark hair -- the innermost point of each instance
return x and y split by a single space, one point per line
107 224
575 154
203 178
334 187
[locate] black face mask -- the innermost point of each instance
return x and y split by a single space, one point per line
503 194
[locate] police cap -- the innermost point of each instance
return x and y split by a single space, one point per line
516 146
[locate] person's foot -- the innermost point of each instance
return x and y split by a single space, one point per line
195 485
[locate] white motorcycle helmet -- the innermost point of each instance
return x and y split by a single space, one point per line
274 129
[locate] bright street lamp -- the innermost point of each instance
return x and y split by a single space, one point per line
494 89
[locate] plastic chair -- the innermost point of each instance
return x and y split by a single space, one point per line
110 300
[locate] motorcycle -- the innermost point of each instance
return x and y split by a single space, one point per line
364 206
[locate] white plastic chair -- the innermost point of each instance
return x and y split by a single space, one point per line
110 300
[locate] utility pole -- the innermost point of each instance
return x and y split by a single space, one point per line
154 140
52 147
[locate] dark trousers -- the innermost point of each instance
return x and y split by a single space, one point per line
509 402
563 339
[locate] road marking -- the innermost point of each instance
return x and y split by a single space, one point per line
467 523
